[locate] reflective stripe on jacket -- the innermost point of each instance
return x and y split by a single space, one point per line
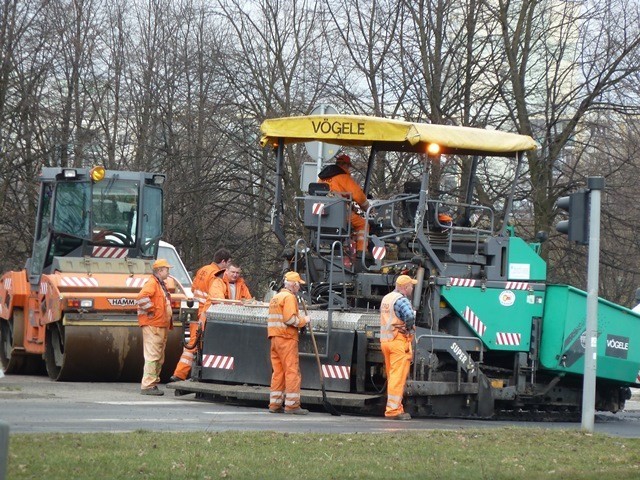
389 322
284 319
202 283
153 305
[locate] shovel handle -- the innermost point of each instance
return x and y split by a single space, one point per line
313 340
325 402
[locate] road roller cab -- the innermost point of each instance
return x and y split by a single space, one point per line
72 309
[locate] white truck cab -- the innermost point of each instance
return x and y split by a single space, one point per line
179 271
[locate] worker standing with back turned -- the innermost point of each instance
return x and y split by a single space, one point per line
155 318
204 279
397 321
283 325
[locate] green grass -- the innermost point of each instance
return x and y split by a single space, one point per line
469 454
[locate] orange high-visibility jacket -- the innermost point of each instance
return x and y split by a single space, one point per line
154 305
220 289
389 321
202 283
344 183
284 319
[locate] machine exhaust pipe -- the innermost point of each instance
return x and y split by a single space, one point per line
417 292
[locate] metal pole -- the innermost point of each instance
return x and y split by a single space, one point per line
319 153
512 193
594 185
4 449
277 211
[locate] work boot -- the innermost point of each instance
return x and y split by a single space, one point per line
173 378
276 410
297 411
400 416
152 391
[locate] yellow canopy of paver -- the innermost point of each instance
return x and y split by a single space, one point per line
392 135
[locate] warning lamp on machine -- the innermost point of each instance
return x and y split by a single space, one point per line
97 173
433 149
445 219
80 303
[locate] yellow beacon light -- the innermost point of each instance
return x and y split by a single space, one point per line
433 149
97 173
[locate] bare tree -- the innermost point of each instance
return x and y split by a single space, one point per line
564 60
274 66
24 143
182 86
447 54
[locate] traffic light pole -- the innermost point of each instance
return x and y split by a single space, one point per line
595 186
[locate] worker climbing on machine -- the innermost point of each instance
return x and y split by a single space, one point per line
338 177
202 284
283 325
397 320
231 285
155 318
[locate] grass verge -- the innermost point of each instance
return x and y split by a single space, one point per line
469 454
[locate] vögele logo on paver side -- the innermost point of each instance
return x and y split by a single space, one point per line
617 346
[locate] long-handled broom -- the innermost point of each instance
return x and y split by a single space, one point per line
325 403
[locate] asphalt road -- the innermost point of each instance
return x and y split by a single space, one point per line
32 404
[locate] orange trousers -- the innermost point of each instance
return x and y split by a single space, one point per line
183 368
154 340
286 378
397 360
358 226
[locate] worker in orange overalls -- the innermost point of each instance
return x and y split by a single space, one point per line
397 320
202 283
283 325
339 179
231 286
155 318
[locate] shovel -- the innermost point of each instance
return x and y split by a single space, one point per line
325 403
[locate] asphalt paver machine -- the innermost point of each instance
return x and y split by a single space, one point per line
494 338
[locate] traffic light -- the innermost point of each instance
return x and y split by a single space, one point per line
577 226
